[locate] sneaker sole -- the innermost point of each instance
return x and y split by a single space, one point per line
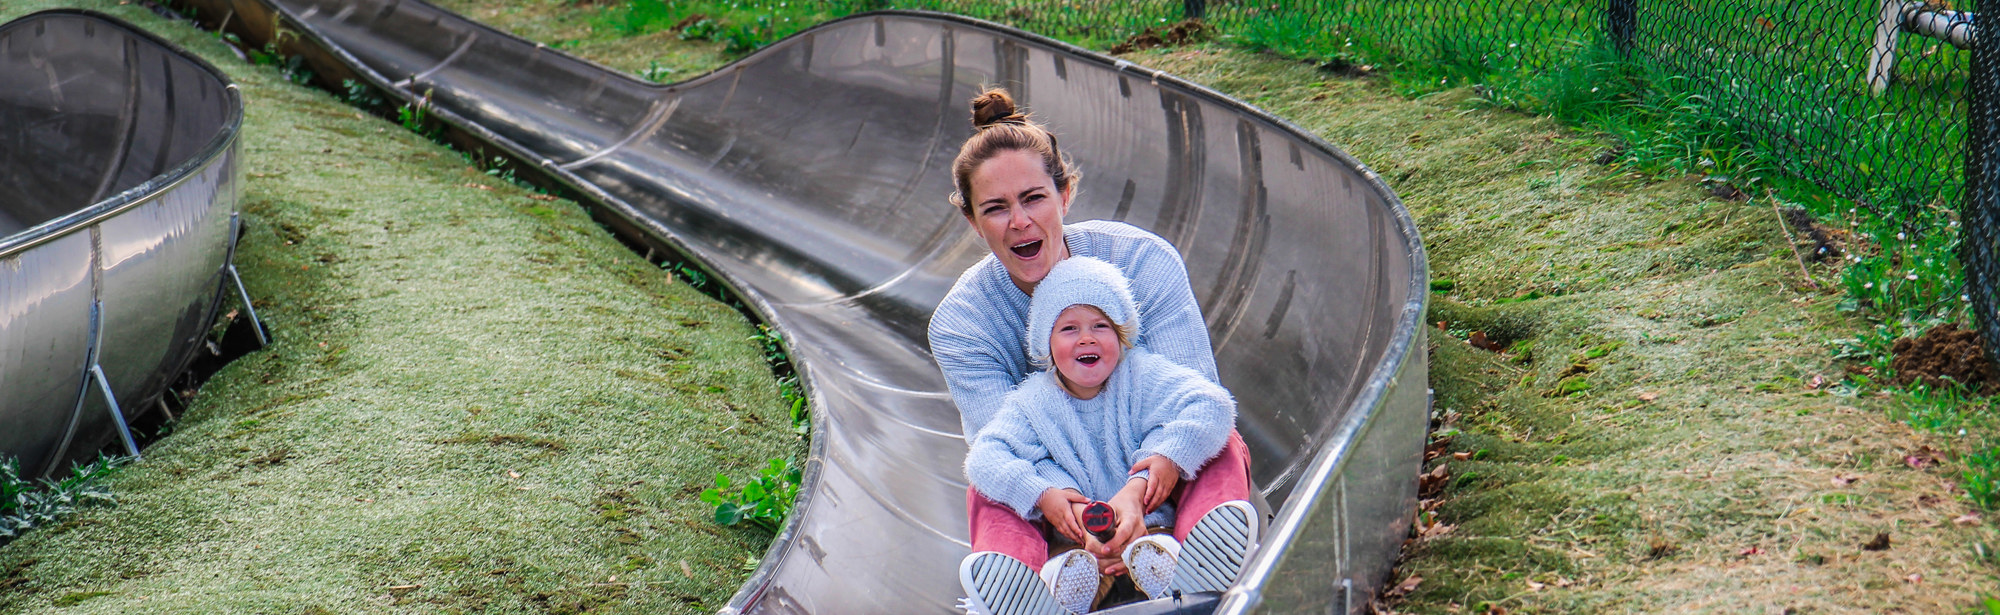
996 584
1073 580
1152 569
1213 554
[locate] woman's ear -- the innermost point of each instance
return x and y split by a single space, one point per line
1068 194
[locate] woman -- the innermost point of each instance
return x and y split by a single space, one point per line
1014 187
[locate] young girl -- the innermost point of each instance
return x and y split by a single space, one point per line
1068 435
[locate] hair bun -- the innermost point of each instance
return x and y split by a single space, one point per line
993 107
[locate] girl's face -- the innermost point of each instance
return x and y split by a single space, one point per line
1017 209
1084 347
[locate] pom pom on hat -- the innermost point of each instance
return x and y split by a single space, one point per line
1078 280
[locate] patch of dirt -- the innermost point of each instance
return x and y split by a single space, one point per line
1827 243
1945 352
1187 31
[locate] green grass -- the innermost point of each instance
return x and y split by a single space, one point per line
478 401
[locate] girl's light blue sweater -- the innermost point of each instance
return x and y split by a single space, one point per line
1043 438
979 332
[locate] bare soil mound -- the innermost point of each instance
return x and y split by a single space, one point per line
1945 352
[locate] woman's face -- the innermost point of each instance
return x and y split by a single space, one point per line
1084 348
1017 209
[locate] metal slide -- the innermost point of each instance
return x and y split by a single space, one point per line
811 177
118 197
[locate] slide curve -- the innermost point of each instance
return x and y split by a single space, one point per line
811 178
118 177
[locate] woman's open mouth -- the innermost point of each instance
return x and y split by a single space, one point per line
1087 359
1028 249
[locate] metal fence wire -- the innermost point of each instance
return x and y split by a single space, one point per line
1865 98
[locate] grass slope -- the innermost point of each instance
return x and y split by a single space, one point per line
1654 444
478 401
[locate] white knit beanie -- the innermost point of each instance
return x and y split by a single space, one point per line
1078 280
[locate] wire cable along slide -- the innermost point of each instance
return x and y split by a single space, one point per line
118 224
811 177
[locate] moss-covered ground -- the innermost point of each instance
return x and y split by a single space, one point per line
478 401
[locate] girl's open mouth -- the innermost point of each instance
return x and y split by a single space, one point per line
1087 359
1028 249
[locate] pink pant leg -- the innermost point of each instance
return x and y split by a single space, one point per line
995 527
1225 478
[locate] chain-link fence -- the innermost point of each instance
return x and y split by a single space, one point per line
1867 99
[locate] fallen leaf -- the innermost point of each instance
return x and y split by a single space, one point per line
513 474
1967 520
1479 341
1436 530
1922 458
1880 543
686 571
1408 585
403 587
1843 480
1562 582
1535 587
1495 609
1914 579
1753 550
1461 456
1928 500
1432 482
1648 396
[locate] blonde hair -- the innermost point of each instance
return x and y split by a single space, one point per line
1002 127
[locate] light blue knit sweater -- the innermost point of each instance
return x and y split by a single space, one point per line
1149 406
979 332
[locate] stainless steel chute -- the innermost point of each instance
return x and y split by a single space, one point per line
118 181
811 178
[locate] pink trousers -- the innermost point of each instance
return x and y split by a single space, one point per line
1226 477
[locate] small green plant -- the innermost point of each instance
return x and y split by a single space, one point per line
701 30
773 343
656 73
27 504
763 501
359 94
1982 478
413 116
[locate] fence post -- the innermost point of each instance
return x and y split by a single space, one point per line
1624 15
1981 216
1194 9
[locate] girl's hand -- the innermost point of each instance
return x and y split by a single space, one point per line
1060 508
1130 513
1165 476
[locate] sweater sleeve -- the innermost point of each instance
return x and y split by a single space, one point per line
977 377
1009 464
1170 320
1186 419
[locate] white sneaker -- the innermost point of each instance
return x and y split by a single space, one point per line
1216 548
1151 560
1072 576
996 584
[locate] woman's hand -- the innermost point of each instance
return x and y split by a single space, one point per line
1130 515
1165 476
1062 509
